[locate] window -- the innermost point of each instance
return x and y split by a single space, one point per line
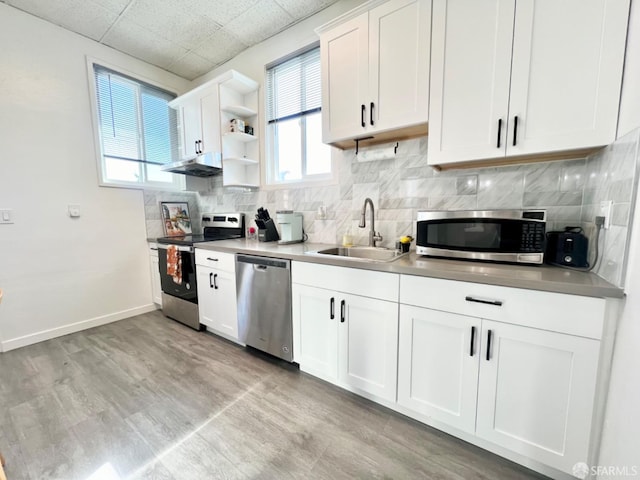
137 131
294 132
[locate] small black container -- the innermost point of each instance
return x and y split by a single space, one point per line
568 248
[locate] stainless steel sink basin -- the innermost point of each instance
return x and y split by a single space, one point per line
363 254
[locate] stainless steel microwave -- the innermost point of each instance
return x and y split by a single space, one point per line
514 236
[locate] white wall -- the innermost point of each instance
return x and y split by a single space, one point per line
621 434
61 274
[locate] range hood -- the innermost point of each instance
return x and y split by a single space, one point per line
205 165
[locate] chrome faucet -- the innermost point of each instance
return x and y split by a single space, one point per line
373 235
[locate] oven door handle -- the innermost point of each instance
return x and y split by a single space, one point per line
181 248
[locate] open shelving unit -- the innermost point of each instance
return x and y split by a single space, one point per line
240 151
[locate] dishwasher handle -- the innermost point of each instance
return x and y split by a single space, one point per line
263 262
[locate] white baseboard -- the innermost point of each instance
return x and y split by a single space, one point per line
32 338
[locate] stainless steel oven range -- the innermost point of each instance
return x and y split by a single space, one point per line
177 265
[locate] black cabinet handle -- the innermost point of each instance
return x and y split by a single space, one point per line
497 303
499 132
515 130
489 335
473 340
362 112
195 143
154 249
332 311
215 283
212 259
371 112
210 280
342 310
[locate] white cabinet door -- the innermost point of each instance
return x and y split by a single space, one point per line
566 74
191 126
344 59
399 35
368 345
210 121
536 393
156 288
470 74
438 365
217 301
315 317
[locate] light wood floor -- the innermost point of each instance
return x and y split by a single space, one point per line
147 398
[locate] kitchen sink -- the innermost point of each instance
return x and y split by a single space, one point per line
363 254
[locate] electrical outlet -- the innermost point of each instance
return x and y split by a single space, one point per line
605 211
74 210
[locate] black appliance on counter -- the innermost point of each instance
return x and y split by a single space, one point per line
568 248
180 299
267 231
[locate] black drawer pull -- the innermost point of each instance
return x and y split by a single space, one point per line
212 259
515 130
499 131
489 335
473 340
497 303
342 310
332 311
371 112
211 280
215 284
362 112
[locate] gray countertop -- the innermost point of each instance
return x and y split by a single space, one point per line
546 278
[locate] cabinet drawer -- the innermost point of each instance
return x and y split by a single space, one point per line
572 314
217 260
367 283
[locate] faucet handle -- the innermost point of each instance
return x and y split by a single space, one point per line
377 237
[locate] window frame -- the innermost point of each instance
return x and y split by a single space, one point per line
270 182
178 183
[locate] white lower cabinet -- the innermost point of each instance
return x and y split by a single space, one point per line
342 337
531 391
536 393
438 365
156 288
217 292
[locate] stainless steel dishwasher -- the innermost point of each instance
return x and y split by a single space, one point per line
263 287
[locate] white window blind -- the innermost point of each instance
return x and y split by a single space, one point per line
293 87
136 124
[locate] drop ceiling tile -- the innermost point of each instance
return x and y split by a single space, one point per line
300 10
88 19
220 47
260 22
222 11
138 42
191 66
114 5
171 20
81 16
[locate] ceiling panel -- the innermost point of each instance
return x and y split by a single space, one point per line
186 37
259 23
220 47
138 42
172 21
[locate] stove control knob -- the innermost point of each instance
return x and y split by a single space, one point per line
568 259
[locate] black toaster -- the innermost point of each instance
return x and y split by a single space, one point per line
568 248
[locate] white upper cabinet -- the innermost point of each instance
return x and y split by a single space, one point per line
199 122
521 77
375 71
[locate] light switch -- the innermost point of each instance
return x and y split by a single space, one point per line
74 210
6 215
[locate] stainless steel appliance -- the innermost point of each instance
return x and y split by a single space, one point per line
263 289
180 298
514 236
290 223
